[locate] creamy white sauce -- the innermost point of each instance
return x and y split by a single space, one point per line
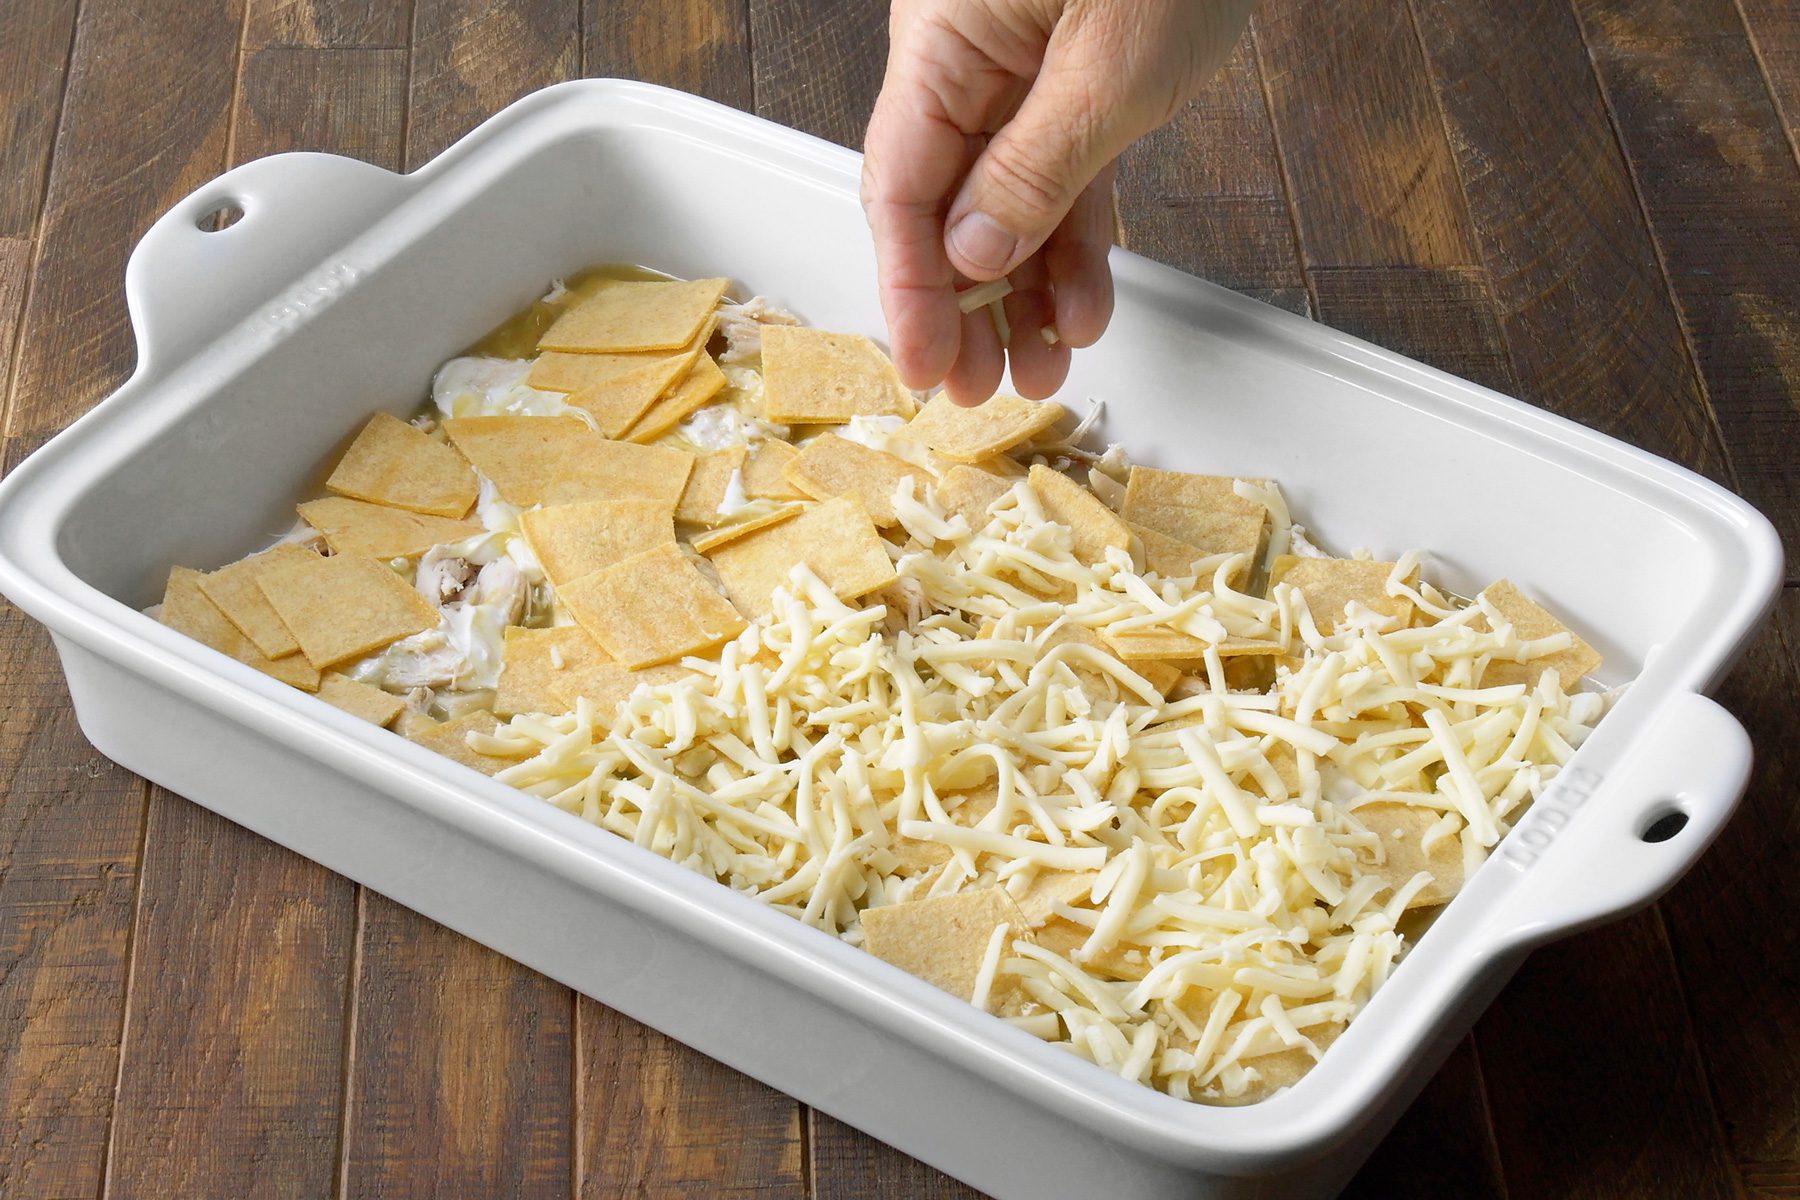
494 387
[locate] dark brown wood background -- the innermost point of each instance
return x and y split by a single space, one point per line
1594 204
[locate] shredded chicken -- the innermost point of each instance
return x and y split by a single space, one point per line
501 583
742 326
441 577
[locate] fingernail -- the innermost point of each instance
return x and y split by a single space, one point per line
982 243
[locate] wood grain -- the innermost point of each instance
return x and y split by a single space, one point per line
699 46
659 1119
849 1165
335 24
1443 1145
1371 176
470 59
460 1068
1721 190
343 101
34 56
819 64
15 270
1774 27
1205 193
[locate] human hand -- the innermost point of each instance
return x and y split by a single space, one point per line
990 153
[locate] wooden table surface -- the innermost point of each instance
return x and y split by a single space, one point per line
1594 204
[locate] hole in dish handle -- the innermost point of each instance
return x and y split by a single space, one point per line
1597 846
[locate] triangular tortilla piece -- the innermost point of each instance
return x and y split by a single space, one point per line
360 699
521 455
941 939
393 463
357 528
707 542
635 316
704 495
1530 622
764 477
691 393
1203 511
811 376
233 589
836 539
1401 828
1096 527
1328 584
830 466
970 435
344 606
608 470
652 608
451 739
572 540
186 610
971 492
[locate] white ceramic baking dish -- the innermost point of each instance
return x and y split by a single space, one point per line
343 286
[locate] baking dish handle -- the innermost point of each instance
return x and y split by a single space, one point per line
1684 774
189 280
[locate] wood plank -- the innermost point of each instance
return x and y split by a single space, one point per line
15 270
819 64
145 122
1774 27
336 24
345 101
1582 307
1739 955
1205 193
234 1042
848 1164
1370 173
34 55
471 59
699 46
1442 1146
460 1069
659 1119
1721 190
70 825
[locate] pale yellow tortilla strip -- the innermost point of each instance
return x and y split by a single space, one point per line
357 528
1065 937
811 376
618 401
1047 889
940 939
1004 466
1097 684
1203 511
1169 557
830 466
540 663
1401 828
836 539
572 540
764 477
392 463
608 470
557 371
652 608
360 699
690 394
707 485
411 723
707 542
1328 584
343 607
1096 527
1531 621
233 589
1282 1069
635 316
451 739
521 455
186 610
971 435
971 492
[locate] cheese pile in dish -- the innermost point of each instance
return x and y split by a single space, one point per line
1113 753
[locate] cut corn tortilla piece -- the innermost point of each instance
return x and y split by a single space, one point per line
344 606
611 684
539 662
831 466
618 401
572 540
1401 828
763 472
608 470
1169 557
1064 937
522 455
704 495
652 608
1004 466
357 528
811 376
836 539
971 492
942 939
1282 1069
635 316
451 739
411 723
689 394
1203 511
186 610
1096 527
233 589
1531 621
1328 584
360 699
392 463
971 435
1037 901
1097 684
707 542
